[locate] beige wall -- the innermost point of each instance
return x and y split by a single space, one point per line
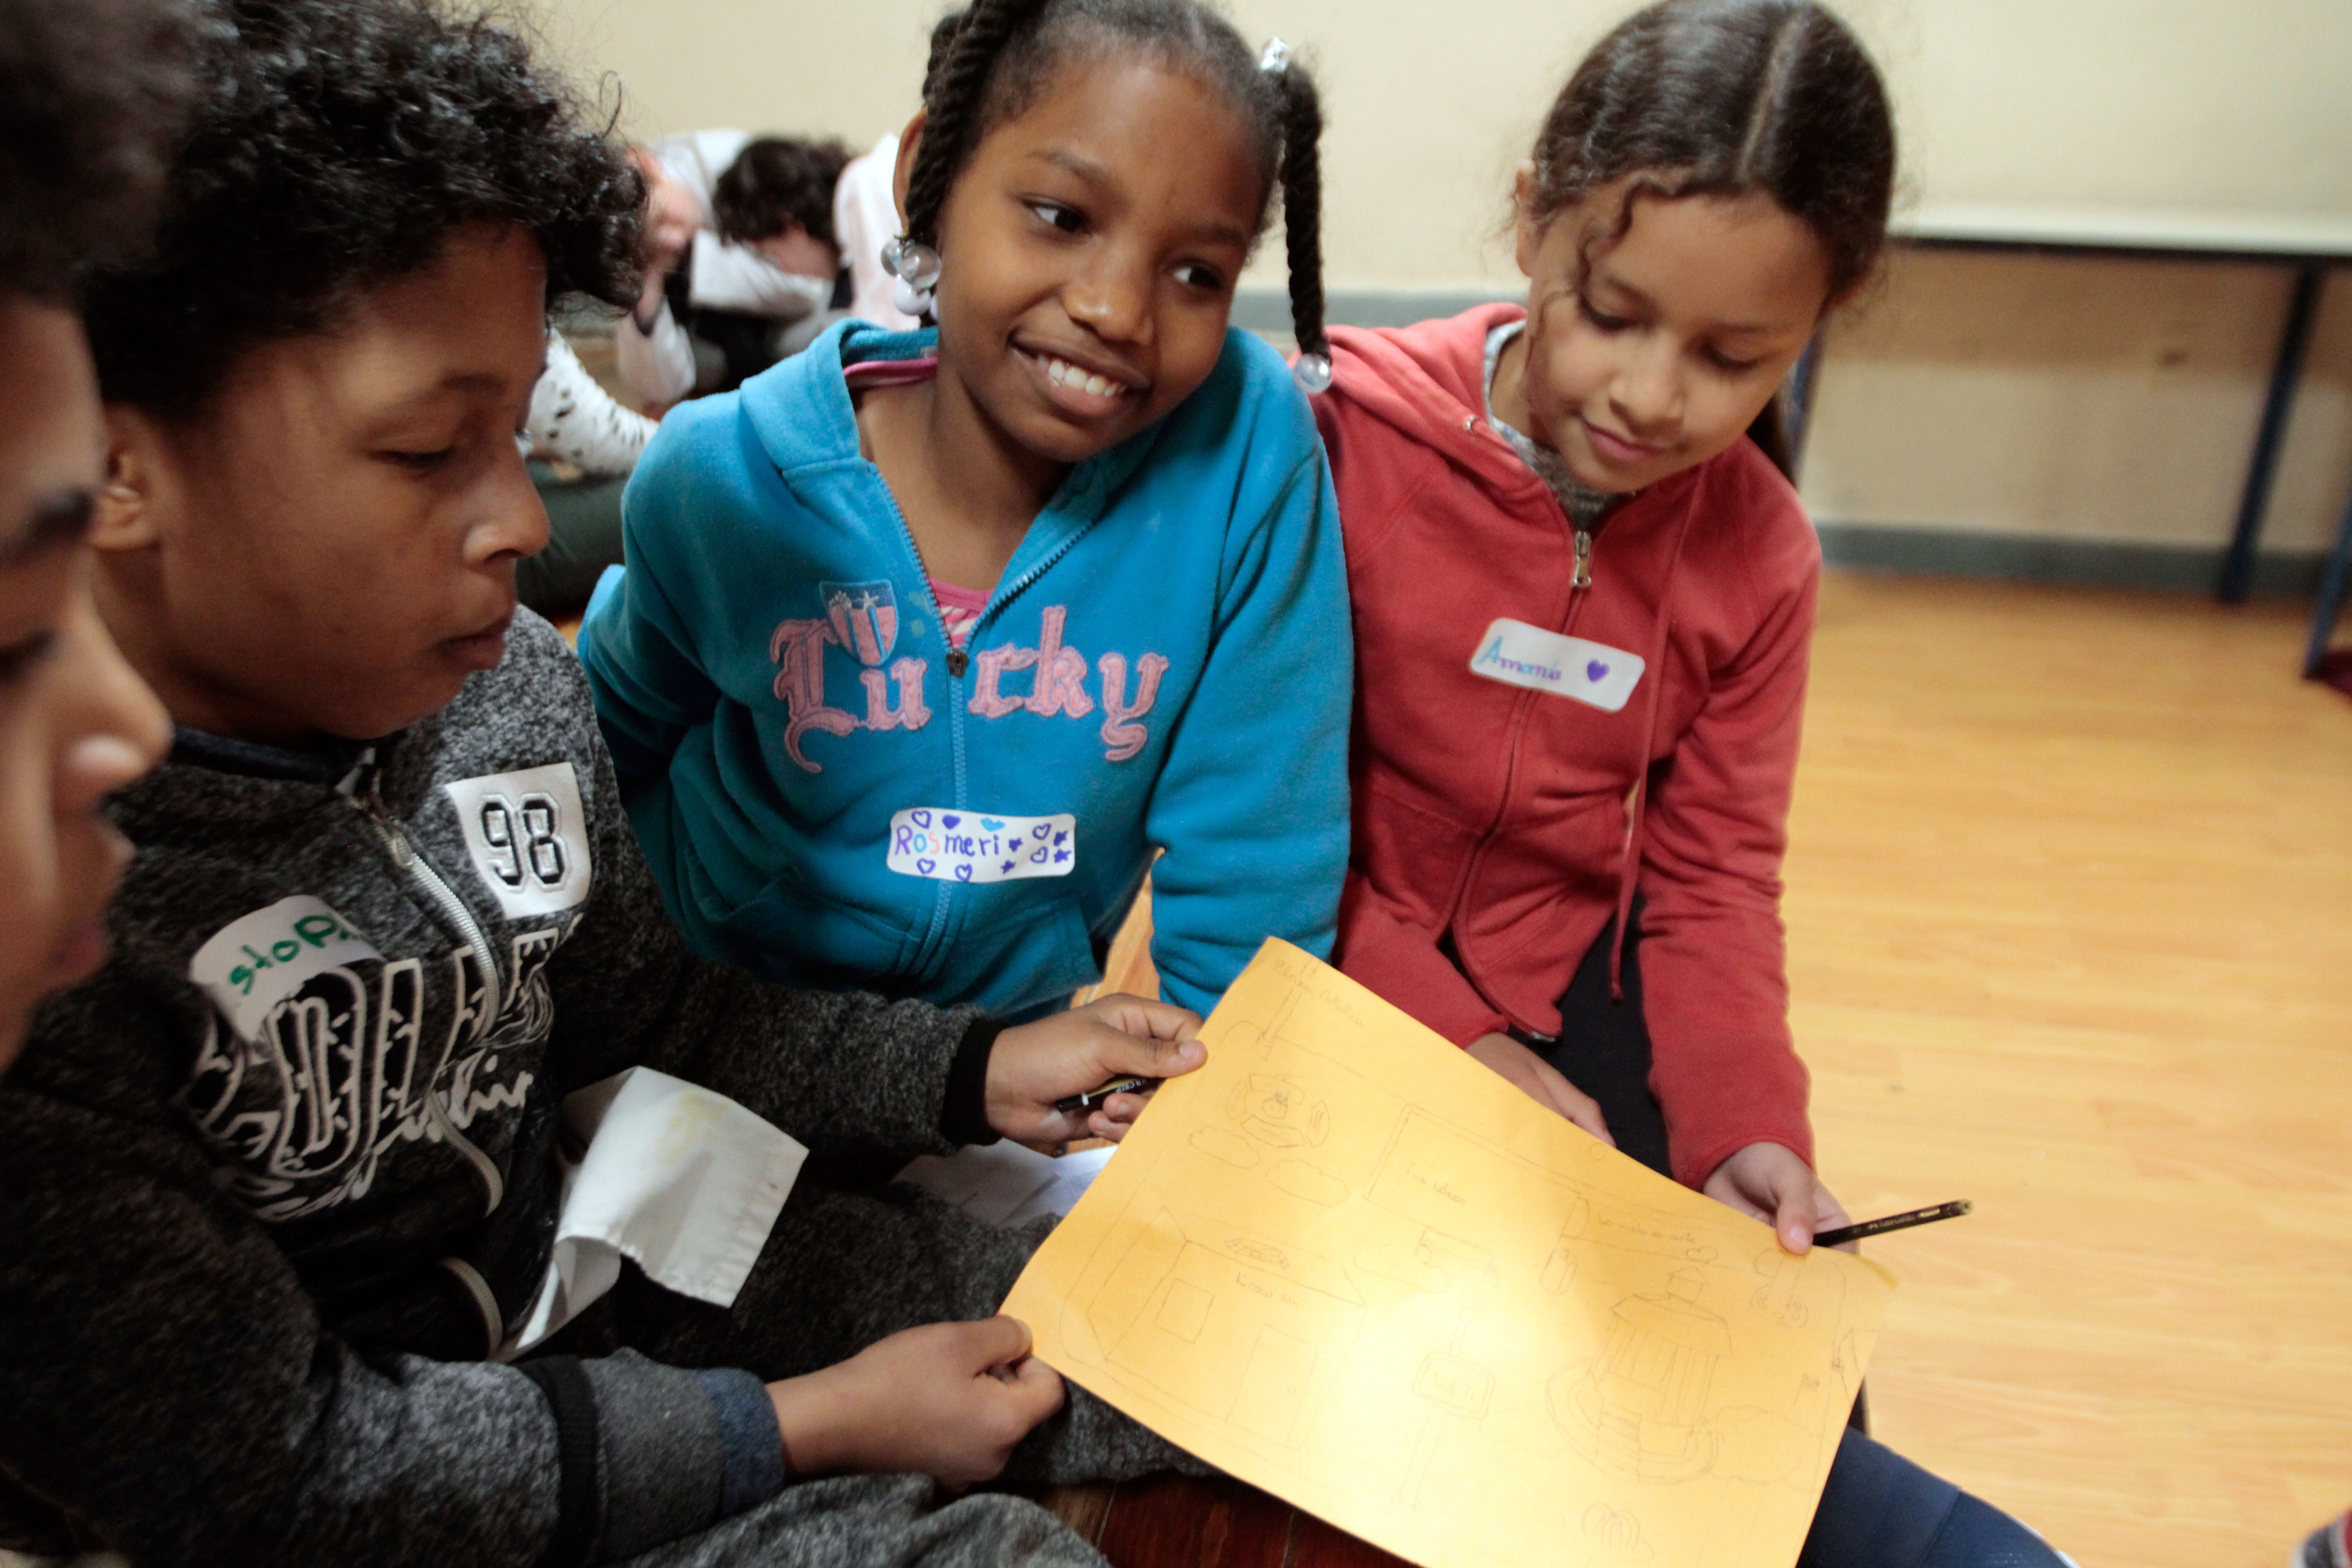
2107 400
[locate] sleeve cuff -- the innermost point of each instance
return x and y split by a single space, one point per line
964 1113
750 1445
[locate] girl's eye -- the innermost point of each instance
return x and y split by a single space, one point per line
1724 362
1607 323
24 657
419 462
1194 275
1069 220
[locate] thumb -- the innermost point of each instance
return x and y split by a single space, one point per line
1120 1051
1152 1020
996 1342
1037 1390
1795 1217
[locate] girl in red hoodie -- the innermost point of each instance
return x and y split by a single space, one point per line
1583 605
1584 598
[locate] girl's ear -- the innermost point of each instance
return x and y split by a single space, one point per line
136 460
910 147
1527 231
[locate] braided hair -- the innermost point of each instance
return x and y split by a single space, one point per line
991 62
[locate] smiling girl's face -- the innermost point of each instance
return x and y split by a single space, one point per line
1091 246
1652 353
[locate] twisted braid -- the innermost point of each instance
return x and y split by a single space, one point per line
953 105
1302 205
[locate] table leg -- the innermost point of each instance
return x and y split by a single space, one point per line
2331 599
2286 373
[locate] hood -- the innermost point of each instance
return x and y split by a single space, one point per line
1428 382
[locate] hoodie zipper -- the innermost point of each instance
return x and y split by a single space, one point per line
420 872
959 660
1582 543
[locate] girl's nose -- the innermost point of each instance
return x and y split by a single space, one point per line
1647 393
113 729
1112 299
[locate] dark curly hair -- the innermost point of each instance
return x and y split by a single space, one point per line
337 145
777 182
1728 97
990 62
90 90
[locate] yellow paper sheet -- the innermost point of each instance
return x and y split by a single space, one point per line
1348 1264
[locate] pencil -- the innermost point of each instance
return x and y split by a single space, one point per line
1870 1227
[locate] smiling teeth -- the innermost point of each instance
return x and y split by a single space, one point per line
1064 373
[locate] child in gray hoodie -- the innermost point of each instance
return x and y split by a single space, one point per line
278 1183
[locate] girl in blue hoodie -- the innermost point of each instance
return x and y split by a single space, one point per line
928 641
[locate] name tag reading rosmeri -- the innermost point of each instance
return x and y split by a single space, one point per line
1595 674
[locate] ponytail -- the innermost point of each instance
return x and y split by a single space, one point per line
953 101
1302 218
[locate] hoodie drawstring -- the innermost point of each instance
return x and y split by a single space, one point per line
1629 863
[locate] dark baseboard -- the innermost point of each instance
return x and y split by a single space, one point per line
2037 558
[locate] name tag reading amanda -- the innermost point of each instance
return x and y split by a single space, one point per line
978 846
1595 674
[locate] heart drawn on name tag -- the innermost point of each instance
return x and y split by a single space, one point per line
976 848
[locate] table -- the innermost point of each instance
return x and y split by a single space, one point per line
2310 243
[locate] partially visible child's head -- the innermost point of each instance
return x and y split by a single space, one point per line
777 197
1716 176
1094 175
88 92
316 504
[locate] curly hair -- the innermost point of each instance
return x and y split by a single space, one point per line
336 147
90 90
777 182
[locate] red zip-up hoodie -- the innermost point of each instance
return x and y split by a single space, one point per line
1518 822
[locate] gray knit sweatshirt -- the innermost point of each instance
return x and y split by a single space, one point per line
274 1181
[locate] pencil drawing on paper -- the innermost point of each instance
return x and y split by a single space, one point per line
1341 1265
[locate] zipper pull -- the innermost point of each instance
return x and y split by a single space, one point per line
1583 543
958 662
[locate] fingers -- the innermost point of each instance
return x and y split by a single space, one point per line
996 1342
1154 1055
1115 1117
1574 1102
1139 1016
1829 1214
1037 1391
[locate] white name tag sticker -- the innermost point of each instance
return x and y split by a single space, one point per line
979 846
257 961
1595 674
528 838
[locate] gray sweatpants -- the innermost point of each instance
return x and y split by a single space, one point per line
880 1521
841 1270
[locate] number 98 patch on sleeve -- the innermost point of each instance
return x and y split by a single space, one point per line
528 837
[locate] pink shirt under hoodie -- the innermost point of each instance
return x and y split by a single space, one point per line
1510 819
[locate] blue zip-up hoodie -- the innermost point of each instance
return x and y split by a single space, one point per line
829 798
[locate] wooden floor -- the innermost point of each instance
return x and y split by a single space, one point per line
2069 908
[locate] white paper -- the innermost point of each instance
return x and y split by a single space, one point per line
1006 1183
684 1182
1593 673
256 960
951 846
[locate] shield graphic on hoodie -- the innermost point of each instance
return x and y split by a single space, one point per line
865 617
